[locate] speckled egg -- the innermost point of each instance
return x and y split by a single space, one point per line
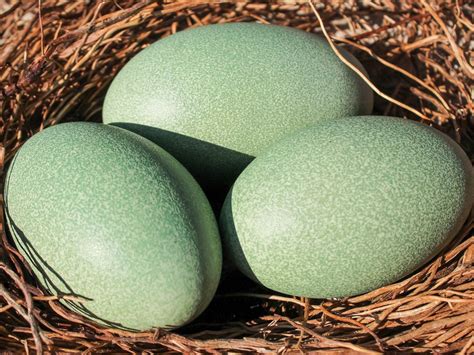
216 96
103 213
346 206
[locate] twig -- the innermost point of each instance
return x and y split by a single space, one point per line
28 316
467 348
359 72
468 69
397 69
354 322
10 9
328 341
40 18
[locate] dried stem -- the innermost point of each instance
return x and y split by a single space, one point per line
360 73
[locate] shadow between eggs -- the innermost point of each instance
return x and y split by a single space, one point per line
214 167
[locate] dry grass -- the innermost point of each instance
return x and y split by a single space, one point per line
56 61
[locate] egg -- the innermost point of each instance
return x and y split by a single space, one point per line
346 206
107 215
216 96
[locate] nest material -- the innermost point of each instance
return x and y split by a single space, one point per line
57 58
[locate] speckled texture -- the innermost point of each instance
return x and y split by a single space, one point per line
104 213
237 86
347 205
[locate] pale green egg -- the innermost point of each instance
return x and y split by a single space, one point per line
347 205
216 96
105 214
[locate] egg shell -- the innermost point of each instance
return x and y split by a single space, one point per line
346 206
103 213
216 96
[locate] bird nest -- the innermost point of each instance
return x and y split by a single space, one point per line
57 58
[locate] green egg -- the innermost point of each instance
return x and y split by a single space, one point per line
216 96
347 205
105 214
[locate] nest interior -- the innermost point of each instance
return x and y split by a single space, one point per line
57 58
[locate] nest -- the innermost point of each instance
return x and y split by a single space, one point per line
57 58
